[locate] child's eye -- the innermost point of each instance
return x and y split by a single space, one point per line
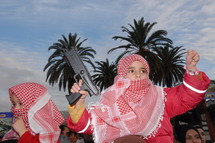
13 104
143 71
131 71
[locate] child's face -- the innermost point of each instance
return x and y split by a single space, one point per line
136 71
16 102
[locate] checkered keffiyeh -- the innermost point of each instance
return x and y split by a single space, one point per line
128 107
125 62
40 114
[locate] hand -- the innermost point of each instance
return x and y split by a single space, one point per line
192 59
76 88
19 126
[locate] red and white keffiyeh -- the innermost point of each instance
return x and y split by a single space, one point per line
128 107
40 114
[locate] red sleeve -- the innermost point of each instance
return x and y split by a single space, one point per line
185 97
83 125
27 137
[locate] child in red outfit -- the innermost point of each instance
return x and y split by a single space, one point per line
134 106
36 118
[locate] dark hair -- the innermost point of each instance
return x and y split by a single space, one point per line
183 131
198 127
72 133
62 128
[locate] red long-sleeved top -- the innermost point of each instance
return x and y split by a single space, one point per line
180 99
27 137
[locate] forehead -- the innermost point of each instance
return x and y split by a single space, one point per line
126 62
137 63
14 98
191 132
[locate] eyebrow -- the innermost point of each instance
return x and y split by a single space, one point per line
142 68
131 68
134 67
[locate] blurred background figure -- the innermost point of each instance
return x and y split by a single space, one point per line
88 138
76 138
64 136
201 132
72 137
189 134
80 138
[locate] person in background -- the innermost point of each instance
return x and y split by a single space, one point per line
36 118
133 105
64 136
189 134
72 137
88 138
80 138
201 132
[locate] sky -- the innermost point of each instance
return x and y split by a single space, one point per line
28 28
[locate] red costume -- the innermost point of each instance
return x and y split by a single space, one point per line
139 107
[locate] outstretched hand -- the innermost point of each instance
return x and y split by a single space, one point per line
192 59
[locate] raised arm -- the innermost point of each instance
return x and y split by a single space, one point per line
79 118
191 92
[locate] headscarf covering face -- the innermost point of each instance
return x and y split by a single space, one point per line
125 62
37 105
137 88
27 93
126 107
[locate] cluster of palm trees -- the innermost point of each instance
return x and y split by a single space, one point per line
165 61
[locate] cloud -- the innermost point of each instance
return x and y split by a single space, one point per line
21 66
28 28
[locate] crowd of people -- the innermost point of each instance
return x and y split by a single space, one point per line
185 134
68 136
133 108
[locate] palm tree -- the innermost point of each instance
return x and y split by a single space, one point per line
172 65
104 74
140 41
58 67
